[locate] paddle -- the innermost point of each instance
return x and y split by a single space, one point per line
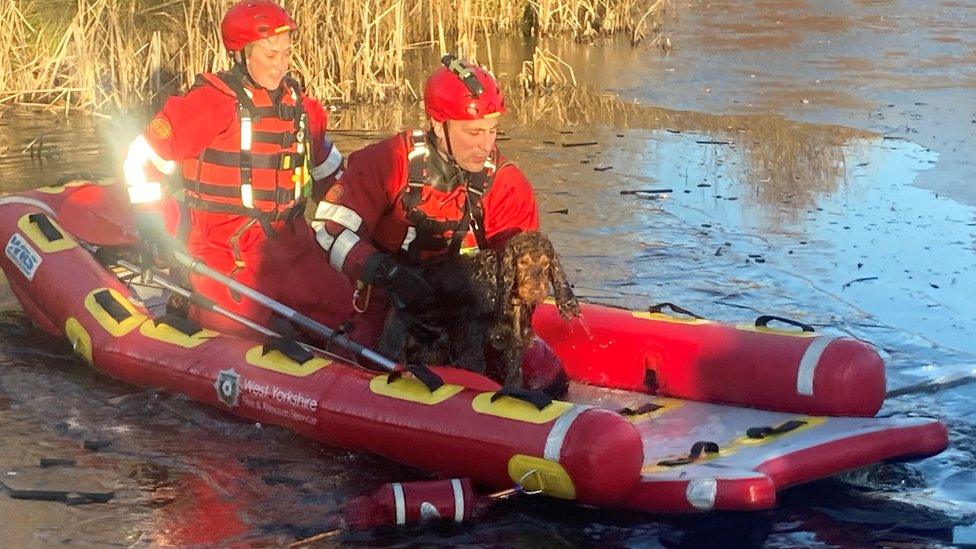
113 221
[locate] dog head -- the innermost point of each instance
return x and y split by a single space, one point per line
531 272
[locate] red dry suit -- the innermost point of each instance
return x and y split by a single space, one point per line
242 207
387 203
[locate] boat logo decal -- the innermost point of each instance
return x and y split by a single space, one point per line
227 386
23 255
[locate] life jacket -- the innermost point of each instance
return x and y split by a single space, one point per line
433 230
259 166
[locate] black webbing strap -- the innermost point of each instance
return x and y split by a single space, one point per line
265 218
50 232
183 325
277 161
110 305
698 449
282 139
763 322
659 308
277 195
288 347
535 398
767 431
645 408
423 374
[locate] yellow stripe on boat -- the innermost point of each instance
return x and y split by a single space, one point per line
116 328
809 423
79 338
277 362
664 317
58 189
33 232
513 408
168 334
748 327
412 390
537 474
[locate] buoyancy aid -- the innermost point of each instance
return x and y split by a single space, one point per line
435 229
258 167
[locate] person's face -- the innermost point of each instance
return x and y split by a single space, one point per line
268 60
471 141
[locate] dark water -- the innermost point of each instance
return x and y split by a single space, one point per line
817 155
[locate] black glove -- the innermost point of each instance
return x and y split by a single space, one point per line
156 245
406 285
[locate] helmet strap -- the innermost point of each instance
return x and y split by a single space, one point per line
449 153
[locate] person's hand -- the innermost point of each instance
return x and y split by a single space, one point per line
406 285
156 245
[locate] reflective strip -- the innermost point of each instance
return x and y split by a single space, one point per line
700 493
809 362
329 166
418 151
411 235
145 192
139 154
340 249
489 164
554 442
29 202
327 211
401 505
247 195
323 237
246 133
458 500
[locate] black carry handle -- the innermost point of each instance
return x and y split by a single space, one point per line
185 326
110 305
50 232
645 408
763 321
697 450
535 398
423 374
289 348
766 431
659 308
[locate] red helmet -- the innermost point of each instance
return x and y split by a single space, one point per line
250 20
461 91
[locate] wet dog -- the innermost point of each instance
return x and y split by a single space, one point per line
480 317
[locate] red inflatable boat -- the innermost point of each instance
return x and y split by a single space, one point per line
673 413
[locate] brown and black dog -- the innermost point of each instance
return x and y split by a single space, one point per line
480 317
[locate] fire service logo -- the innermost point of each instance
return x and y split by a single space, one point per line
227 385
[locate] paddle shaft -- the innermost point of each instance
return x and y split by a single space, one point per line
302 320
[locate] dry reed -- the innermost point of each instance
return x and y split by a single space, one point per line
96 54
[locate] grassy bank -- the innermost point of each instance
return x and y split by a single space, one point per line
99 54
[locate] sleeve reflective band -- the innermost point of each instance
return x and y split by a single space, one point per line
327 211
343 244
140 153
330 166
144 193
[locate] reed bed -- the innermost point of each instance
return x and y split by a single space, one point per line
99 54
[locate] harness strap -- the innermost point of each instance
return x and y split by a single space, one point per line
428 229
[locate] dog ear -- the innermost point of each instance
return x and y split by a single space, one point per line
566 300
508 263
